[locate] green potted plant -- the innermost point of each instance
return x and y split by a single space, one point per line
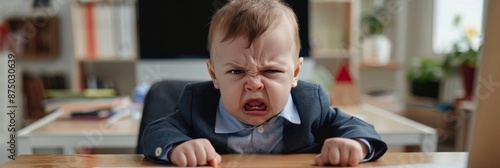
376 47
424 75
465 55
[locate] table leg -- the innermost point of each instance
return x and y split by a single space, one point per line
24 146
68 150
428 143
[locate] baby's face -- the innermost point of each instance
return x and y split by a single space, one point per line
255 82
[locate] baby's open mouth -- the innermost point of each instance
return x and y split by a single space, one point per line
255 107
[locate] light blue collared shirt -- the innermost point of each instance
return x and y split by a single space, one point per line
265 138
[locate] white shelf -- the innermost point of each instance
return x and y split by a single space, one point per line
104 42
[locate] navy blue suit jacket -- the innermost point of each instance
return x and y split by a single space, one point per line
195 118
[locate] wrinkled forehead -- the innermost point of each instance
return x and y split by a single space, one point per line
275 46
282 28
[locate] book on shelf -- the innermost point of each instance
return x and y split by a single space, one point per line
30 37
96 114
33 88
104 30
83 102
124 30
111 109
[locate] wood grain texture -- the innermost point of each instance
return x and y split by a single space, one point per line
231 160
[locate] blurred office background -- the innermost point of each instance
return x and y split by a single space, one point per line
404 56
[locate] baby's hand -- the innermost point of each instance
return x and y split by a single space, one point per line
341 151
194 152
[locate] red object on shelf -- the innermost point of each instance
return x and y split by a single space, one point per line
3 34
468 78
344 92
343 74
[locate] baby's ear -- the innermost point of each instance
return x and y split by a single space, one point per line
295 81
211 71
296 72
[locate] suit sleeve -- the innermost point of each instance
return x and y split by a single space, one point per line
340 124
167 131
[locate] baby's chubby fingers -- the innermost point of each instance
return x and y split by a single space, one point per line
194 152
215 162
213 158
341 152
318 160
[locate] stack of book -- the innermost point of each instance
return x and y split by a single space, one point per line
104 30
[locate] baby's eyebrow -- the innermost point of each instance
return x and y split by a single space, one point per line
274 65
233 64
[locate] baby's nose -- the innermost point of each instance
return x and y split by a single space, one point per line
254 82
253 74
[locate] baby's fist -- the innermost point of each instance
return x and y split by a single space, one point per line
194 152
341 151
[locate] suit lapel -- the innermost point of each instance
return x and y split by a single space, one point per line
299 138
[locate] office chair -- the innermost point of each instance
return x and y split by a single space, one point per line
160 101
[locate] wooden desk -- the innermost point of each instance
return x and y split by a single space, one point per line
232 160
395 129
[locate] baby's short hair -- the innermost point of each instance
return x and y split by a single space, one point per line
250 19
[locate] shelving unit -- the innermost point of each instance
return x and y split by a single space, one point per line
333 25
33 37
333 33
335 36
392 65
105 44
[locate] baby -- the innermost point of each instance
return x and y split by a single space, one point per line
255 102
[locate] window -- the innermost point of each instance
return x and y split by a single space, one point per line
444 31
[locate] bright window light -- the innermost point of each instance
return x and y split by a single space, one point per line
444 31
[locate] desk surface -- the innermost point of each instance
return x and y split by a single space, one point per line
120 130
385 121
62 124
395 129
231 160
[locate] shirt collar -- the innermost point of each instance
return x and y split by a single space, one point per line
226 123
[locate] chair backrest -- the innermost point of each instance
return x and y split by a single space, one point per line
160 101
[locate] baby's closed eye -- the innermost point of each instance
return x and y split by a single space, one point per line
271 71
235 71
